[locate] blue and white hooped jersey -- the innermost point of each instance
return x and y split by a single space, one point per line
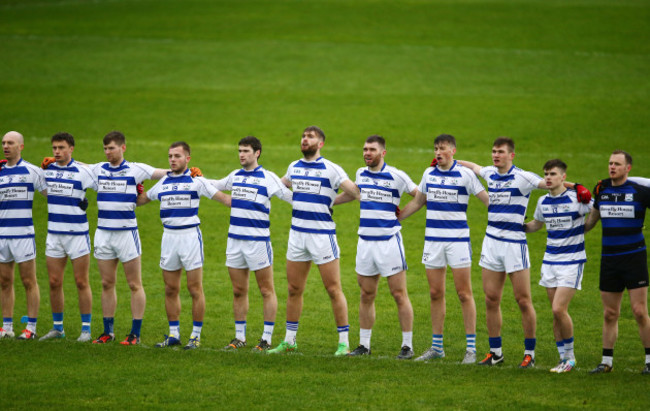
17 186
314 184
622 213
447 193
251 193
66 186
117 192
564 216
381 192
509 195
179 196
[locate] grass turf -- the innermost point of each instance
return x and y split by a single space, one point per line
563 78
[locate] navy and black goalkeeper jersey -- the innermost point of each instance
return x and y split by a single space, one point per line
622 211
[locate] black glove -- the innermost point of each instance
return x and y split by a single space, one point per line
83 204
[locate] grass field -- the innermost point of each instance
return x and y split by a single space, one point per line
564 78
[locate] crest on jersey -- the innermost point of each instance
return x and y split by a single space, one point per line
59 174
629 197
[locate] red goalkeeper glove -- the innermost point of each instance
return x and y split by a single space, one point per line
47 161
434 162
139 188
195 172
584 196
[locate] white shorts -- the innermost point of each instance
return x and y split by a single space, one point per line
181 249
18 250
66 245
504 256
562 275
246 254
440 254
381 257
122 244
319 248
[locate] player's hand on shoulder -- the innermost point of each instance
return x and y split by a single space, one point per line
2 163
584 196
46 162
434 162
602 184
195 172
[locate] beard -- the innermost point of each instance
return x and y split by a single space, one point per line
309 151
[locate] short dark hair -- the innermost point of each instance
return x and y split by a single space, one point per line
317 130
555 163
445 138
114 137
186 147
628 157
377 139
505 140
67 137
252 141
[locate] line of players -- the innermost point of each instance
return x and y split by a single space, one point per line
445 189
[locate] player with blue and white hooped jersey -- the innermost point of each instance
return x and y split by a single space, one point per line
380 249
117 238
249 238
565 257
182 242
18 182
445 188
621 203
315 182
505 251
67 232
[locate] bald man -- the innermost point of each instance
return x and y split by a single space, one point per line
18 182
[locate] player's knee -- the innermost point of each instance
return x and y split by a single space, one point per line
294 291
334 291
267 292
611 314
56 283
367 297
171 291
640 312
465 296
196 291
559 312
29 284
492 300
436 294
524 303
239 292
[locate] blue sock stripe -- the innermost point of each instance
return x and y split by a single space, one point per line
529 343
559 343
292 326
568 340
343 328
174 323
197 323
108 325
7 319
57 316
495 342
136 326
269 323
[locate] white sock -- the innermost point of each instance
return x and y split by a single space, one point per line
267 335
196 329
175 330
364 337
607 360
240 330
407 339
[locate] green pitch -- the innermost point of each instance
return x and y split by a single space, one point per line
564 78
